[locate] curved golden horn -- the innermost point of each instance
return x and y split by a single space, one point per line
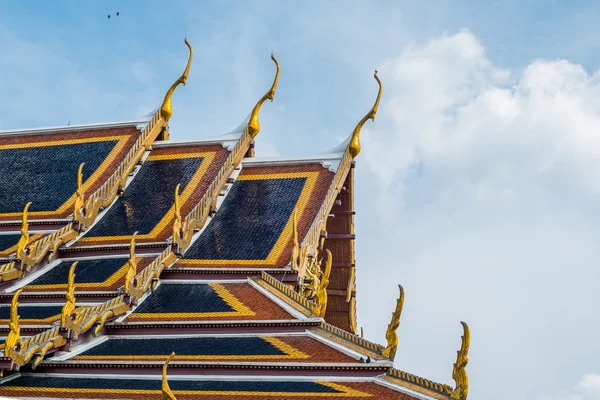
354 145
24 240
459 372
167 394
391 334
253 124
131 265
14 333
166 109
69 306
79 194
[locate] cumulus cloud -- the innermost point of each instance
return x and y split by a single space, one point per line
587 389
482 195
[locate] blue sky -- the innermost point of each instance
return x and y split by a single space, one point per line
476 187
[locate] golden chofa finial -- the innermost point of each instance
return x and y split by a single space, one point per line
166 110
391 334
131 265
24 240
354 145
14 333
69 306
167 394
459 372
177 222
79 194
253 124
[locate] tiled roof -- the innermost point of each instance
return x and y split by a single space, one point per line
43 168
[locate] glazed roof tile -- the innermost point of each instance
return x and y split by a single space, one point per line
147 203
253 227
42 168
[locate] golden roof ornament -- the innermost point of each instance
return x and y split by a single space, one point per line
321 297
253 124
459 372
167 394
177 222
295 244
354 145
24 240
79 194
69 306
131 265
166 109
391 334
14 333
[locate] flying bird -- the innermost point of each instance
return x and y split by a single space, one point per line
108 16
117 13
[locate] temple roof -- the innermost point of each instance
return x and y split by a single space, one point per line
135 247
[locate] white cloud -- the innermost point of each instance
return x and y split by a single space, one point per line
478 191
587 389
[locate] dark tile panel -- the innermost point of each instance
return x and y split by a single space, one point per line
31 312
8 241
87 271
210 346
148 384
46 175
147 198
250 220
177 298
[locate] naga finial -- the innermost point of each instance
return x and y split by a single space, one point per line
253 124
459 372
79 194
24 240
322 290
295 244
354 145
391 334
167 394
69 306
165 109
131 265
177 223
14 333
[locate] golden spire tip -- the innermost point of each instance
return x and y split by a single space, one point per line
354 145
166 108
253 124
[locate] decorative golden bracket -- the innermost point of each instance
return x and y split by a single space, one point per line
79 194
69 306
354 145
254 124
321 297
391 334
167 394
131 266
23 243
14 334
459 372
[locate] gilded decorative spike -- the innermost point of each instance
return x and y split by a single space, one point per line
14 333
69 306
295 245
321 297
24 240
253 124
167 394
166 109
459 372
177 222
391 334
79 194
354 145
131 265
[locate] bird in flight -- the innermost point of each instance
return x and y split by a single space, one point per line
117 13
108 16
